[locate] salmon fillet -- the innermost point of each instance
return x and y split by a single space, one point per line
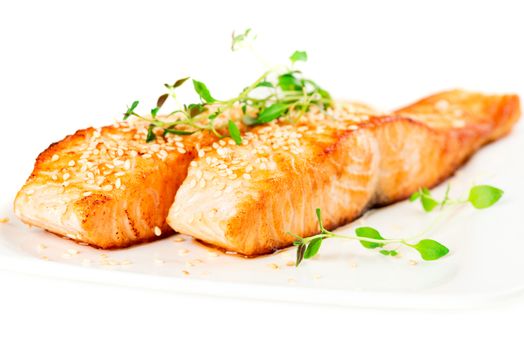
107 187
245 198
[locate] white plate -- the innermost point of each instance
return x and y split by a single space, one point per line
485 263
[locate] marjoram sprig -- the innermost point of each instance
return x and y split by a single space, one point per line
280 92
481 196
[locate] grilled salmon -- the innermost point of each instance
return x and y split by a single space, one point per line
245 198
107 187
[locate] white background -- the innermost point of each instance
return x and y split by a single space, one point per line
68 65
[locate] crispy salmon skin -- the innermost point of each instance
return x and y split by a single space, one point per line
245 198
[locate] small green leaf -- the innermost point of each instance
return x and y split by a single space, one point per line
430 249
428 203
312 248
130 110
300 253
264 84
177 132
288 82
234 132
272 112
388 252
369 232
238 39
484 196
202 91
414 196
298 56
154 112
150 134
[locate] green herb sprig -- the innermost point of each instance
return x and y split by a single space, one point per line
280 92
482 196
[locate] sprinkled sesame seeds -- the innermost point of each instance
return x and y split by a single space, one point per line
66 176
157 231
107 188
30 191
87 193
178 239
55 157
118 183
71 163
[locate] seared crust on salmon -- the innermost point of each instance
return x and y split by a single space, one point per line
107 187
245 198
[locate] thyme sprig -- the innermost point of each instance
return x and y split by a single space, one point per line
280 92
482 196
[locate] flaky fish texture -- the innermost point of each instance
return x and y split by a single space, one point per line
107 187
245 198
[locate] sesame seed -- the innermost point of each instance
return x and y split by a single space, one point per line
193 163
158 231
71 163
178 239
290 263
55 157
30 191
181 150
192 183
54 177
146 155
201 153
274 266
85 194
66 176
246 176
118 183
183 252
107 188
